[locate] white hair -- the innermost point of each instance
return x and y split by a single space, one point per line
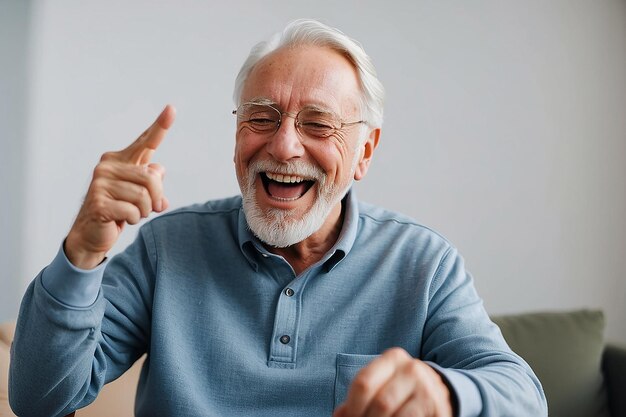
312 32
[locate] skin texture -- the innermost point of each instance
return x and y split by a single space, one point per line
127 187
394 384
293 78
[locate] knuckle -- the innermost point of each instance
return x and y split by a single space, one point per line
108 156
143 173
362 385
414 369
153 175
100 170
396 353
142 194
383 404
155 189
134 216
98 205
97 184
151 187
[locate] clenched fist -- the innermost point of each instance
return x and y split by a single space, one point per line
397 385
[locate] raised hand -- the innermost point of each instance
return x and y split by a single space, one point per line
395 384
125 188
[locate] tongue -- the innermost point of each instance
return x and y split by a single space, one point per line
280 190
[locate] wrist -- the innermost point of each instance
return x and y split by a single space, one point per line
81 258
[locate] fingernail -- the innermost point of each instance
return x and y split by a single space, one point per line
158 206
165 118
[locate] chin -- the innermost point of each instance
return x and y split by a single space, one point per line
285 222
281 228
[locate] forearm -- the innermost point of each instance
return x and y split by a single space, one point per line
70 340
487 377
57 365
501 388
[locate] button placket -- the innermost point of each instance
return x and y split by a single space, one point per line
283 347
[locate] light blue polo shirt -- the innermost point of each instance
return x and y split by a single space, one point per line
230 330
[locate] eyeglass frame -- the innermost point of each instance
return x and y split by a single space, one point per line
295 119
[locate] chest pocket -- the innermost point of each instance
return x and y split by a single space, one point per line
348 365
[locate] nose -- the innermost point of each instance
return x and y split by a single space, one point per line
285 144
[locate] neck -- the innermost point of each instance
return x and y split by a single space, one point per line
306 253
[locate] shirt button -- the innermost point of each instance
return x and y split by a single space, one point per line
284 339
265 255
289 292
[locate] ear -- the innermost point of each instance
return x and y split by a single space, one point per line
367 152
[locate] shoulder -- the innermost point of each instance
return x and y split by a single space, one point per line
208 208
374 215
202 213
400 233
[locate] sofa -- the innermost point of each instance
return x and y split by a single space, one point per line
581 374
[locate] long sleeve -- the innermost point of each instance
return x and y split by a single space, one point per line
70 285
63 353
230 330
470 350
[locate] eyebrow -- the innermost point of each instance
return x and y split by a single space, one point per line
262 100
314 107
318 109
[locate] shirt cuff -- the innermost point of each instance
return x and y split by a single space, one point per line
468 399
70 285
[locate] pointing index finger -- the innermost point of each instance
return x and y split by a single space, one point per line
141 150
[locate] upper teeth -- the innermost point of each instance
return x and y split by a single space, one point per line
284 178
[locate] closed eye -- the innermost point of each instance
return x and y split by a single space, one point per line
262 121
316 125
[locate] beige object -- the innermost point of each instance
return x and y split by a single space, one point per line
6 335
115 399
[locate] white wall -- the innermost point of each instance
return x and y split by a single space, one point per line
14 46
504 126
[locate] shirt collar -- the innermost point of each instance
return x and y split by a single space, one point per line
251 246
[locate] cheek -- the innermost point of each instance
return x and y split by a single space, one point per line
335 159
242 155
245 148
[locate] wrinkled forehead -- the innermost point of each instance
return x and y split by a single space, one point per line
304 75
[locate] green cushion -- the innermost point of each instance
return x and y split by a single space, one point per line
565 351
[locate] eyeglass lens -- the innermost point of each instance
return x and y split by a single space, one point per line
265 119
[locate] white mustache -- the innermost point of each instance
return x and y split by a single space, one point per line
299 168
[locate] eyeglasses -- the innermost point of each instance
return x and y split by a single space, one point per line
265 119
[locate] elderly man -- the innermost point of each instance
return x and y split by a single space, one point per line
294 299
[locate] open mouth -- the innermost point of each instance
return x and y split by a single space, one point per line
285 187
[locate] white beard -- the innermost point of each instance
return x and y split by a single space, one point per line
281 228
